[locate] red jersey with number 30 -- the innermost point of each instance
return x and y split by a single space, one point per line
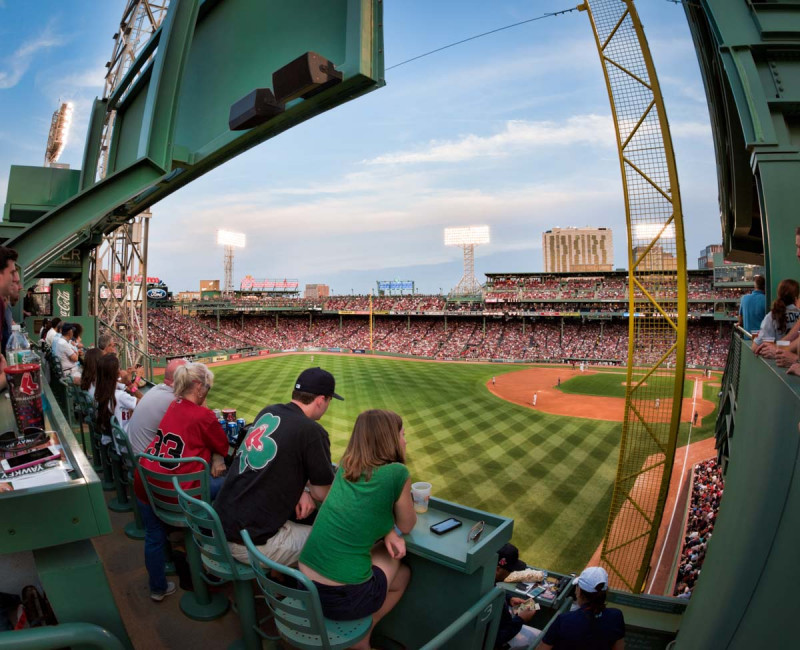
186 430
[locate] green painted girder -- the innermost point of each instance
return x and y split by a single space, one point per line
749 54
171 123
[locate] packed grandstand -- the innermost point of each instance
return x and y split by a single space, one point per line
519 317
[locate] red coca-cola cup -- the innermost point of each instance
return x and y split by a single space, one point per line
25 387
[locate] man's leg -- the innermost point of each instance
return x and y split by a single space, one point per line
155 540
283 547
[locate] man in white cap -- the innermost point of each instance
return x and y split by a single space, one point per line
592 626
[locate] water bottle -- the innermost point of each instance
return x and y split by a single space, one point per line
17 349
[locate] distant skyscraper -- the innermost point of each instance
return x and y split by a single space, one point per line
578 250
706 259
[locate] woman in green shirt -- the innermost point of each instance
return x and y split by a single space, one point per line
370 499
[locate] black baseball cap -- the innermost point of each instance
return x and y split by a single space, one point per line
317 381
508 558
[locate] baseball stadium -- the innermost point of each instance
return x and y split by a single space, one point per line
574 437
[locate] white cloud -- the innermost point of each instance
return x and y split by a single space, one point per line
517 136
18 63
691 129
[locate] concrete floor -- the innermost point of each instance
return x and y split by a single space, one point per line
153 625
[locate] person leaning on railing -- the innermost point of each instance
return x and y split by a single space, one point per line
790 356
780 319
370 499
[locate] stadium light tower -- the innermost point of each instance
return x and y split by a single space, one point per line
229 240
467 237
59 133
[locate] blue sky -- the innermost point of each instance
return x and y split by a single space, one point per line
512 130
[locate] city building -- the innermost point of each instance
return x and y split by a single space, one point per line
315 291
209 285
727 273
706 259
572 250
656 259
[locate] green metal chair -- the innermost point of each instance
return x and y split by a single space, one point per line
87 410
216 555
78 413
135 528
120 503
103 451
199 605
298 613
56 373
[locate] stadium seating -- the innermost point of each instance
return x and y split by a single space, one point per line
707 488
543 339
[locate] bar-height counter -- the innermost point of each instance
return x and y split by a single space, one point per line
449 574
56 523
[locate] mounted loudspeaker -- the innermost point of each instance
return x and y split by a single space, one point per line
254 109
304 77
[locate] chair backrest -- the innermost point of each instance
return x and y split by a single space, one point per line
295 609
161 493
123 445
209 537
84 400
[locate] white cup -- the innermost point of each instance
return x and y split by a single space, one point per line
421 494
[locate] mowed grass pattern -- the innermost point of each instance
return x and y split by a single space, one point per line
552 474
611 384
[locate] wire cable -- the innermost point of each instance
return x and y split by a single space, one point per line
494 31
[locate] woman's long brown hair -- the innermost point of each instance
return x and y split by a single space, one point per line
788 290
106 386
375 442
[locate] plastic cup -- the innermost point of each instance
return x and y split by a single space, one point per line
783 344
421 494
25 387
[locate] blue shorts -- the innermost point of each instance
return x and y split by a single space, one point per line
350 602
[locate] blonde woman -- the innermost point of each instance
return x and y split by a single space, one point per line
188 429
369 499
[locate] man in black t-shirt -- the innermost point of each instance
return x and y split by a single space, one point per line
282 466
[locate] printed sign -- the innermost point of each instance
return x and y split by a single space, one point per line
156 294
62 299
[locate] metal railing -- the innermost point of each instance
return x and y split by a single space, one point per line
480 611
129 353
729 392
60 636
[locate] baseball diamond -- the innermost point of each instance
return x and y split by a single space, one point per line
473 446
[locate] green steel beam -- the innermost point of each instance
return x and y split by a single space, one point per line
171 124
91 150
163 92
70 224
749 56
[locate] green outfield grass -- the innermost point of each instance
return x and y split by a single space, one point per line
610 384
552 474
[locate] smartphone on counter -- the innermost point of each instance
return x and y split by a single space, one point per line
445 526
32 458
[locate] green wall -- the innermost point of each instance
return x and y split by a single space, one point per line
745 595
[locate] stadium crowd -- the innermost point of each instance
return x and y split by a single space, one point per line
707 489
460 338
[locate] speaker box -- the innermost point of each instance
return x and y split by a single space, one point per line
304 77
254 109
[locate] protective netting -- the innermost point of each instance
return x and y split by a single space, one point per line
657 281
